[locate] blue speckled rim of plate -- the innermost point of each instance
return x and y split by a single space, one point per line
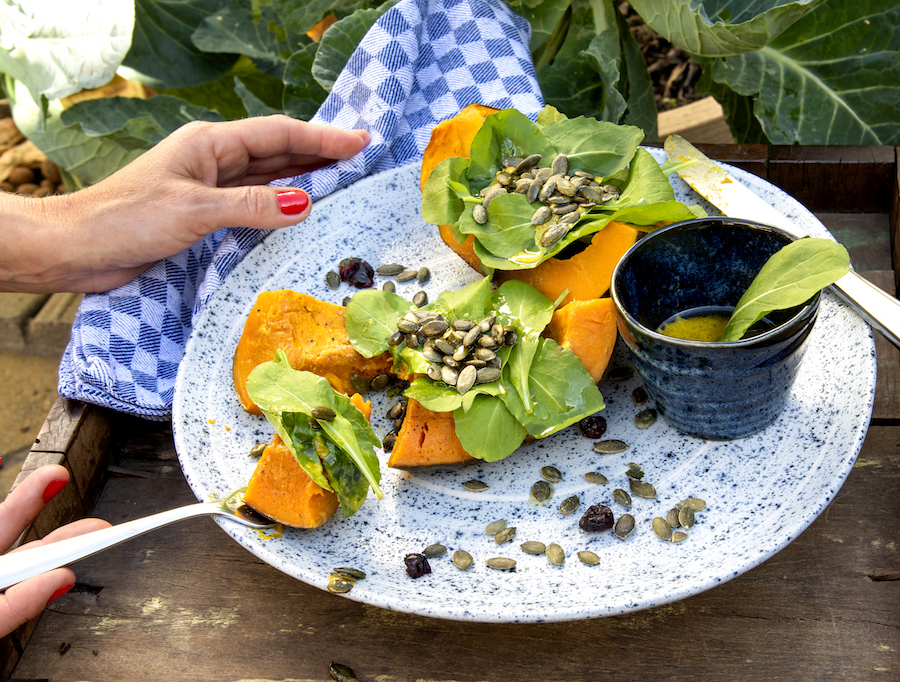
762 491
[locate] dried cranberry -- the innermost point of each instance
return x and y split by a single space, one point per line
592 427
356 272
416 565
598 517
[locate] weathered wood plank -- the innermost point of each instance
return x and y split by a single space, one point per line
48 333
700 121
15 312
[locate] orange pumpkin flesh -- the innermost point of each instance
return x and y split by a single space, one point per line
427 439
281 490
312 335
588 329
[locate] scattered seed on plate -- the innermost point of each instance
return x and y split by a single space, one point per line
621 373
643 489
257 450
380 381
588 558
346 301
678 536
349 573
569 505
495 527
420 299
634 472
662 528
462 559
423 275
390 269
624 526
555 554
406 275
389 286
645 418
505 535
337 585
672 517
686 517
639 396
332 279
475 486
694 503
533 547
551 474
541 491
434 551
501 563
622 497
596 477
341 673
610 447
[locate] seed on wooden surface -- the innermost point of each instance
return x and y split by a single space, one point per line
501 564
390 269
505 535
622 497
462 559
639 395
645 418
662 528
686 517
434 551
420 299
495 527
694 503
475 486
569 505
332 279
589 558
555 554
621 373
341 673
624 526
406 275
643 489
541 491
610 447
533 547
552 474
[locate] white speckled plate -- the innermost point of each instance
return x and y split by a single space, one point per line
762 491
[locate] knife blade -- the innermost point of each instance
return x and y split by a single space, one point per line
736 200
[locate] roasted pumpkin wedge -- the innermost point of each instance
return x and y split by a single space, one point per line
311 333
427 439
588 329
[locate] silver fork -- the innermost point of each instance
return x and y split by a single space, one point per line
27 563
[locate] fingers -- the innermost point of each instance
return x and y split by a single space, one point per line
23 504
20 603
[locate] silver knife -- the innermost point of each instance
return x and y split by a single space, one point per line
710 181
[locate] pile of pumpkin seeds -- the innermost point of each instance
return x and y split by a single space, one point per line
563 198
461 353
682 515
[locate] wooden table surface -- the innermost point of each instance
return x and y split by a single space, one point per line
187 603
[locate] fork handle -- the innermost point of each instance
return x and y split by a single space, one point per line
27 563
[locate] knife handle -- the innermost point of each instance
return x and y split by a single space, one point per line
879 309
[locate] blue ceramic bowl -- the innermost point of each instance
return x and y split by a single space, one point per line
712 390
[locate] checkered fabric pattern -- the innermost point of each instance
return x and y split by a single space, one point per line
421 63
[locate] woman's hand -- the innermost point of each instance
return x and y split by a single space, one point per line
203 177
22 602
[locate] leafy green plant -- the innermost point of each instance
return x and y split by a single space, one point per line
785 71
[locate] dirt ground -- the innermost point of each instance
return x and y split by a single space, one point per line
27 390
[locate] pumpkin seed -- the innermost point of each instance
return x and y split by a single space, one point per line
257 450
341 673
551 474
337 585
634 472
569 505
686 517
527 164
479 214
672 518
505 535
596 477
423 274
695 503
406 275
420 299
541 491
387 443
495 527
434 551
662 528
501 564
332 279
533 547
462 559
487 374
588 558
466 379
639 395
621 373
610 447
679 535
643 489
553 234
475 486
624 526
622 497
397 410
346 301
541 216
645 418
560 164
389 286
390 269
350 573
449 375
359 384
380 381
555 554
323 413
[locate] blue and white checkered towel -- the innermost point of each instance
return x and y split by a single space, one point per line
421 63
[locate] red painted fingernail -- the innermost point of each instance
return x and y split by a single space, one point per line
52 489
292 202
60 592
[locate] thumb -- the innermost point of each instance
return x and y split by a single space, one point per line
260 207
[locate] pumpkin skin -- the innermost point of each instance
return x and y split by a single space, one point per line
312 335
588 329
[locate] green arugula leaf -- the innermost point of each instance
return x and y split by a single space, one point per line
488 430
789 278
371 317
441 201
597 147
509 132
472 302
